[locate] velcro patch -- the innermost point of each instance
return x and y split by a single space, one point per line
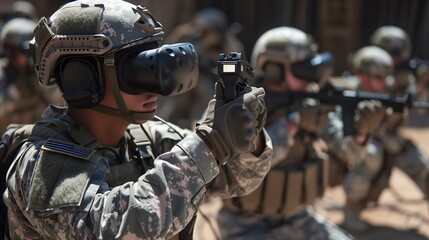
67 148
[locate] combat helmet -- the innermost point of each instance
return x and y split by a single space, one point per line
24 9
80 37
16 35
288 47
394 40
212 18
372 60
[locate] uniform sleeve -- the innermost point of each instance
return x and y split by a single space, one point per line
345 148
281 139
162 201
239 176
242 175
156 206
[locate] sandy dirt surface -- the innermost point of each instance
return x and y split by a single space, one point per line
400 214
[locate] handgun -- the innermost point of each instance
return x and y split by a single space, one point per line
234 74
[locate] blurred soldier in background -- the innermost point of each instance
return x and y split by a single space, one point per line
411 74
286 60
22 100
369 170
211 34
21 9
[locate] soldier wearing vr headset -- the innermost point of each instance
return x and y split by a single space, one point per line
85 172
287 60
210 33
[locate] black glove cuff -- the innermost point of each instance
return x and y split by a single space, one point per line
216 144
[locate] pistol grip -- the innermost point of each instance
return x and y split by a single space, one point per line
229 90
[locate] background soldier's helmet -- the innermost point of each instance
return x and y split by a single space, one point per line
16 35
212 18
91 27
283 45
373 61
283 48
394 40
24 9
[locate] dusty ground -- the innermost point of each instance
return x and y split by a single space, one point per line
401 213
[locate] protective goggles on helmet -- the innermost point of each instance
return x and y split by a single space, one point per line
313 69
167 70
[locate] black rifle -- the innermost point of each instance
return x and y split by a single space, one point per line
348 100
234 74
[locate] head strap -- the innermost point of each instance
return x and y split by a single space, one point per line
132 117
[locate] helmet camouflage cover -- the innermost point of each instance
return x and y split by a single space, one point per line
90 27
372 60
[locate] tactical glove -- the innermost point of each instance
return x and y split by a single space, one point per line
230 128
368 116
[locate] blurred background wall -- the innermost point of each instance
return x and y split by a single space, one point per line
339 26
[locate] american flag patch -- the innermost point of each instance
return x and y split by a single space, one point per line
70 149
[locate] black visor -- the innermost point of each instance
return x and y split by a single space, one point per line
167 70
313 69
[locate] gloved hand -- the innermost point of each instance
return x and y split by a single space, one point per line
230 128
368 116
313 116
262 111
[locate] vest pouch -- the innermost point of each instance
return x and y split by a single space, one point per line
294 191
311 183
323 174
274 189
123 173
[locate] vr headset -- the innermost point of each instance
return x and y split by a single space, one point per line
315 68
167 70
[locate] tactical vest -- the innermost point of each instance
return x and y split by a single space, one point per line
288 187
131 171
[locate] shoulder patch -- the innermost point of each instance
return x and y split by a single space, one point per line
67 148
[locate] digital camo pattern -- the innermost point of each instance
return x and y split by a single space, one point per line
118 21
305 224
157 205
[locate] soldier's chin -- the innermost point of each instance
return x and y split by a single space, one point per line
140 121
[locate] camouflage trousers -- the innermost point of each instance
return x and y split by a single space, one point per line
306 225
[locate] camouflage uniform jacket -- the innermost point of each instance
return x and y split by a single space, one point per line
58 187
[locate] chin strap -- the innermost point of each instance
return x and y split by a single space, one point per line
132 117
137 116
